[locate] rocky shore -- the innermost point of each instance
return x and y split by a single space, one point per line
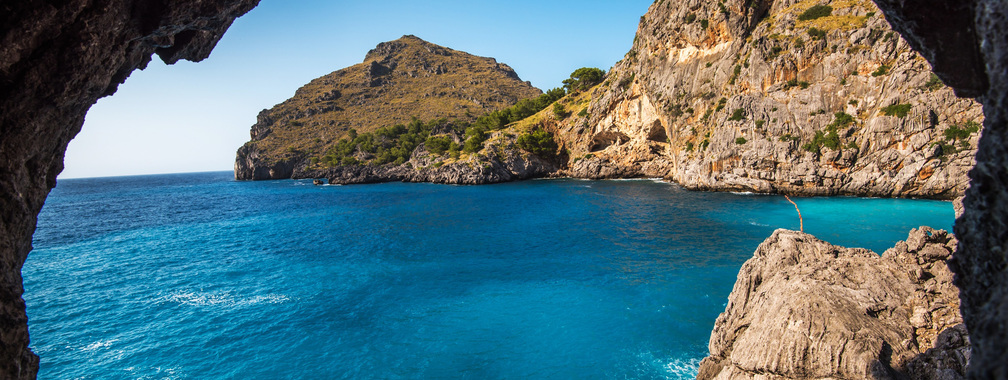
803 308
503 165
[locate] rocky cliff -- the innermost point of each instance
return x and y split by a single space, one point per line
967 43
398 81
805 309
56 60
786 96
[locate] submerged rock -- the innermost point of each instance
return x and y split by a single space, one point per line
804 308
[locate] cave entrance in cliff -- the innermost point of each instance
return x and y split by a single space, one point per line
657 133
603 140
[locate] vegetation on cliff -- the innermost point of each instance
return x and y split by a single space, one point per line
398 81
803 96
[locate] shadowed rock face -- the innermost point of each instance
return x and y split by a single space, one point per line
56 60
950 33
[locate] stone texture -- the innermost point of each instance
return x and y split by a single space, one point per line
56 60
672 99
981 262
803 308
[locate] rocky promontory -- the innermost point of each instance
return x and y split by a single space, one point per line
397 82
805 309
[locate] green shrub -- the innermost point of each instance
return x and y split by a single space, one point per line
829 139
438 144
841 120
559 111
583 79
737 115
689 146
584 112
898 110
704 144
475 136
955 132
882 70
538 142
933 83
815 11
816 33
740 140
690 17
703 23
735 74
759 123
774 52
523 109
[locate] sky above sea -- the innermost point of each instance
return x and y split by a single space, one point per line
193 117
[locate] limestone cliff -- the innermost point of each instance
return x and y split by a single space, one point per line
805 309
775 96
398 80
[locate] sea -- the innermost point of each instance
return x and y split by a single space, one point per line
199 276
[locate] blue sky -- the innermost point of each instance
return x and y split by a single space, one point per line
192 117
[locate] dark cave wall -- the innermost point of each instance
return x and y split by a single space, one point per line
967 44
56 59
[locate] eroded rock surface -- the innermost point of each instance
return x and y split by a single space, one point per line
803 308
957 30
746 95
56 60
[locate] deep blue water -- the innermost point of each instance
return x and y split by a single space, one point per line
195 276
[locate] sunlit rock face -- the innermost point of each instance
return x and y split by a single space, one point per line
805 309
752 96
56 60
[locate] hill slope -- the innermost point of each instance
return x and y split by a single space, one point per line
775 96
397 81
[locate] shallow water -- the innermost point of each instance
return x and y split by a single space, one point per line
195 276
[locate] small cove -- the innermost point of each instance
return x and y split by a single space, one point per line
199 276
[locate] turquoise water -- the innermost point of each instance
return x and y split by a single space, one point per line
195 276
